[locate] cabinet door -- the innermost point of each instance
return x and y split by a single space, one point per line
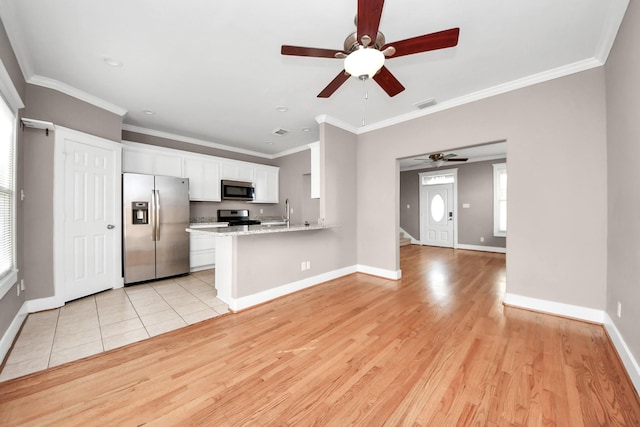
168 165
266 183
136 161
204 179
238 171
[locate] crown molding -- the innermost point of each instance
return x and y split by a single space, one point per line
555 73
76 93
8 90
612 22
190 140
324 118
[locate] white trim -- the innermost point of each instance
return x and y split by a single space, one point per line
76 93
613 20
576 67
380 272
42 304
237 304
497 168
189 140
16 40
323 118
557 308
7 282
8 89
482 248
12 331
629 362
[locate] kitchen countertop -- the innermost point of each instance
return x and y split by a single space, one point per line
247 230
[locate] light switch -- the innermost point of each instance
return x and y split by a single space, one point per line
408 206
466 205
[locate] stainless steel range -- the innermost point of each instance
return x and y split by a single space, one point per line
236 217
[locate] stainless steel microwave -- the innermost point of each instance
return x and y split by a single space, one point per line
237 190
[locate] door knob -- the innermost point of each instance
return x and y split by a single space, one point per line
111 227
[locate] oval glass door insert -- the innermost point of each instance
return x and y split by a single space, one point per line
437 208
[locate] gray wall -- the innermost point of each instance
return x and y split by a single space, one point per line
38 168
552 200
11 303
623 154
275 259
475 187
295 185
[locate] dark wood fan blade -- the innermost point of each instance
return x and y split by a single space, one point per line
388 82
309 51
334 85
425 43
461 159
369 12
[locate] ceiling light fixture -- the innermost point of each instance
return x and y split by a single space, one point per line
364 62
282 109
305 129
149 112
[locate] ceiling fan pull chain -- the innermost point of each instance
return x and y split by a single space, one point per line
366 96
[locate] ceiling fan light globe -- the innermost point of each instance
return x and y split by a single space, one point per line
364 62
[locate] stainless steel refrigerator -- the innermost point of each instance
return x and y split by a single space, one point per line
155 215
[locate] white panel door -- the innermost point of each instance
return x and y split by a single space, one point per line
437 215
90 218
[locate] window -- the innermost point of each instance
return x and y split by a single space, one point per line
8 272
437 179
500 200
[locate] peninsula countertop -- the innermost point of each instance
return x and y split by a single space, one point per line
247 230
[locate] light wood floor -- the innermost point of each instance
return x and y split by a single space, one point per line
436 348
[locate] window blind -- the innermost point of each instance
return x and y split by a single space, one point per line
7 190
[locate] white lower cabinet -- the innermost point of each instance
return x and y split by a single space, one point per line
202 252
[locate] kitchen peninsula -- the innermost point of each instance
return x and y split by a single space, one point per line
256 263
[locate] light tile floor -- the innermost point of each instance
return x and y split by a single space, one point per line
111 319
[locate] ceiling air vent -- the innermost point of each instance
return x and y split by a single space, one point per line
426 103
280 132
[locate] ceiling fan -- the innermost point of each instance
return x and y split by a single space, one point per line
365 50
437 159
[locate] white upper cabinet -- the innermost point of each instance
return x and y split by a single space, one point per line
237 171
204 178
266 184
151 161
204 172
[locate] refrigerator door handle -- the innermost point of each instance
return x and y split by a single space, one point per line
157 227
152 215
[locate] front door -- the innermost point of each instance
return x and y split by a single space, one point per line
437 215
90 216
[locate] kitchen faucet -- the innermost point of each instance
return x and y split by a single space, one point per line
287 211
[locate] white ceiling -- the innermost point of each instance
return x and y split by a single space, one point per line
212 70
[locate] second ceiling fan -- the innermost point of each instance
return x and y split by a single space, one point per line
368 45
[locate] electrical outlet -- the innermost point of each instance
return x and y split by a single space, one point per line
303 266
619 311
308 265
482 239
18 288
261 210
408 206
22 285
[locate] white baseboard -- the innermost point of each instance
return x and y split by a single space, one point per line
237 304
629 362
587 314
380 272
482 248
41 304
557 308
12 331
